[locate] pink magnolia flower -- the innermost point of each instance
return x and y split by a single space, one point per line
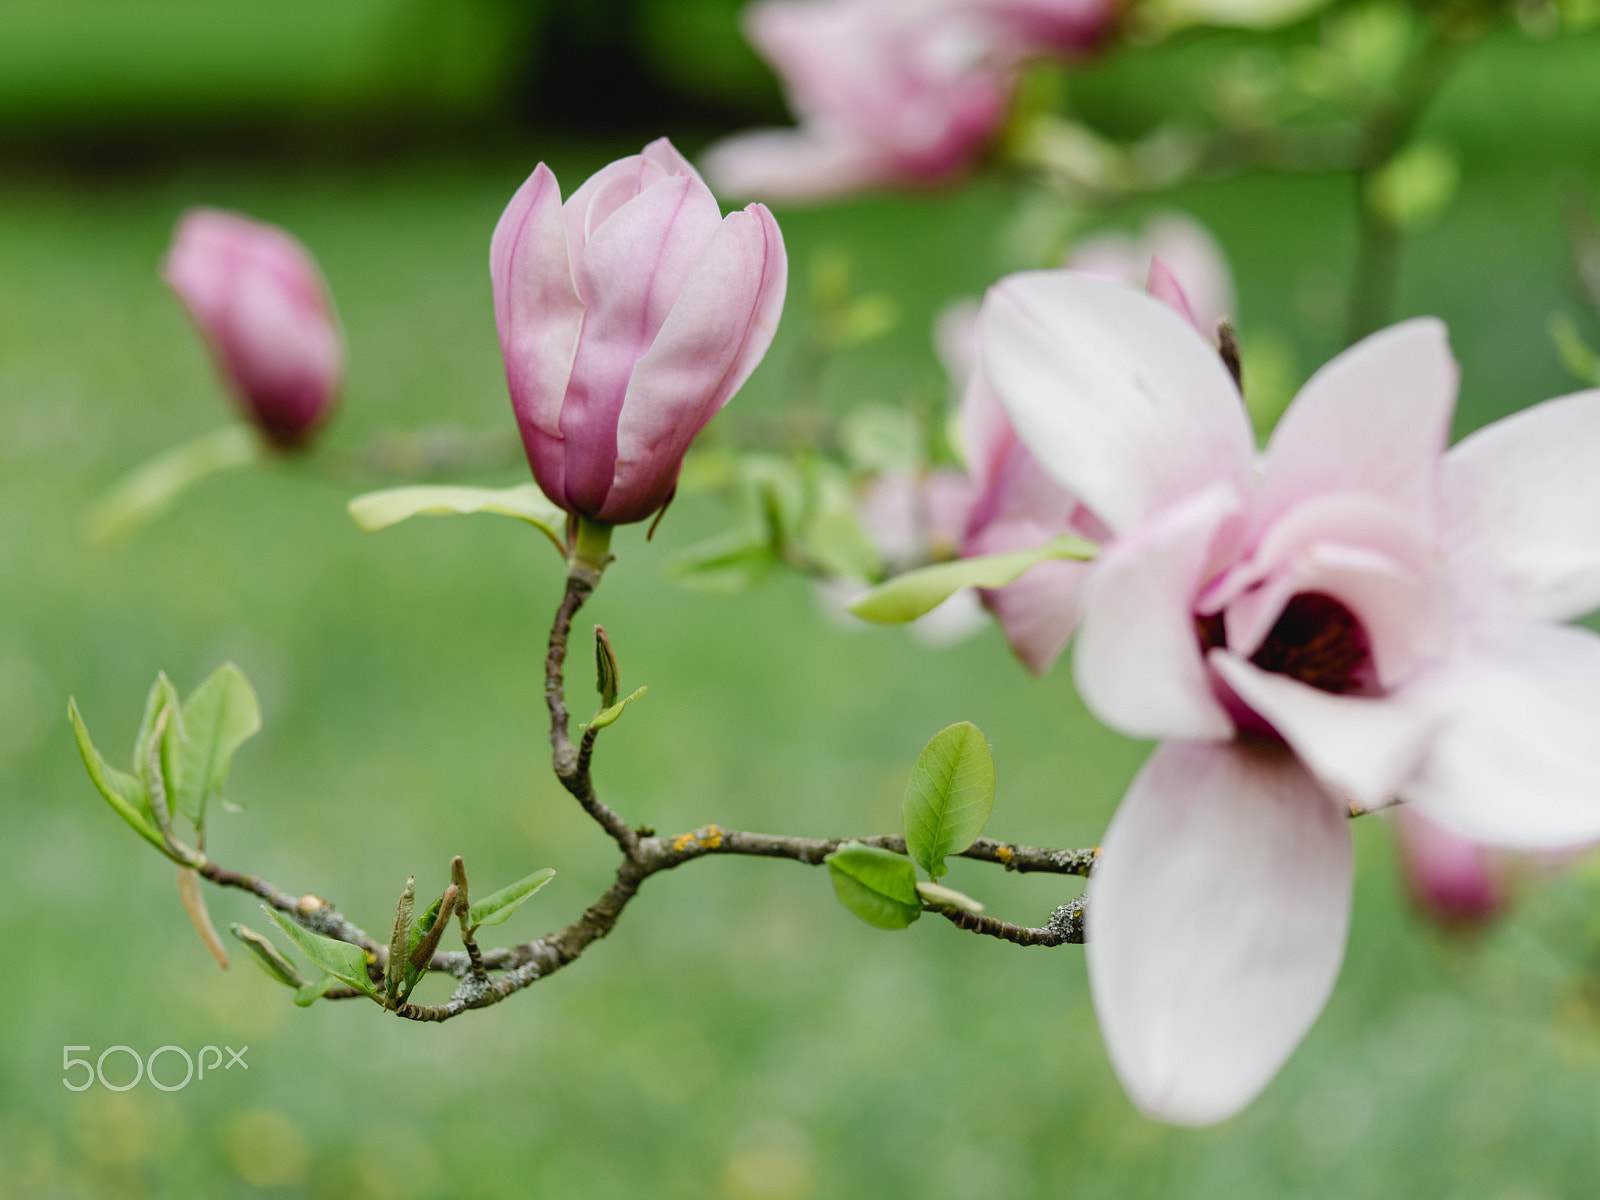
1361 615
261 305
1068 28
1018 506
1187 252
628 317
887 91
1452 879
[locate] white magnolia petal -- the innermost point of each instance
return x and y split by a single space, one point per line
1520 511
1518 764
1376 419
1115 394
1217 915
1137 663
1363 746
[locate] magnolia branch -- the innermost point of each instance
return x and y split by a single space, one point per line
644 855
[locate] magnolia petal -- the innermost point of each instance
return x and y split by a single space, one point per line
1520 511
1365 747
715 335
1517 765
1115 394
792 166
1137 663
539 315
1216 921
1164 286
1040 610
1376 419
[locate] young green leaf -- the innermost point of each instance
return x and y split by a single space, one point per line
268 957
339 959
400 939
948 797
496 908
148 491
879 886
218 717
123 792
163 697
607 674
307 994
379 510
607 715
907 597
938 897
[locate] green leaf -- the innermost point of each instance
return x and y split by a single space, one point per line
607 715
734 561
879 886
339 959
312 992
268 957
378 510
148 491
218 717
879 439
496 908
421 926
937 896
1575 353
907 597
948 797
162 696
123 792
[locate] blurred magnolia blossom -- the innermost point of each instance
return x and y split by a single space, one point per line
628 317
913 518
1016 505
890 91
259 301
1184 246
1453 880
1360 615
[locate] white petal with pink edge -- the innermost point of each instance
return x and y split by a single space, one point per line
1115 394
1518 764
1375 419
1520 512
1217 915
1365 747
1137 663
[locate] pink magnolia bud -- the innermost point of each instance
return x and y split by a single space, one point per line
1452 880
628 317
260 302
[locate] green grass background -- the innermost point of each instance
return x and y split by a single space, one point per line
739 1034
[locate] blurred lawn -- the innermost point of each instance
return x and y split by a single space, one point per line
739 1035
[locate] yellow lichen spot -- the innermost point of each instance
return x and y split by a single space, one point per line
1004 855
682 842
713 837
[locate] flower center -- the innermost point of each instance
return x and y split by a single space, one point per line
1318 641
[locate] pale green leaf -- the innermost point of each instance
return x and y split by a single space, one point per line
218 717
378 510
734 561
607 715
907 597
492 910
161 697
937 896
877 885
948 797
267 956
308 994
148 491
123 792
340 959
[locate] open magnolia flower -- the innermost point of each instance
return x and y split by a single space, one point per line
1358 617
